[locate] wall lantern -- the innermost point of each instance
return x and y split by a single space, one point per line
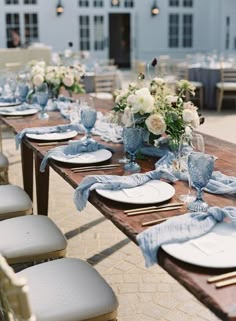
155 9
59 8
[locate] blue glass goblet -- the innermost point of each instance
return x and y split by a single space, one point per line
88 119
200 168
42 99
23 91
132 138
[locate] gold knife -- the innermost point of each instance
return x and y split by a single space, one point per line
225 283
152 207
154 210
221 277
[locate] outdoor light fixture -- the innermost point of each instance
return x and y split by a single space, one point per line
59 8
155 9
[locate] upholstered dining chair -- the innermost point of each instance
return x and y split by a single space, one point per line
3 169
14 202
104 84
60 290
183 73
31 238
226 88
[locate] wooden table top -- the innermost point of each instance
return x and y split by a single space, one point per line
222 301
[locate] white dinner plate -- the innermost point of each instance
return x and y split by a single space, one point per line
5 104
14 112
98 156
151 192
215 249
53 136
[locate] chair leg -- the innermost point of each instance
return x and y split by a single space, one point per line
219 99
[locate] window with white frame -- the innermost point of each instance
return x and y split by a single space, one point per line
84 32
173 3
173 30
30 1
31 27
11 1
83 3
129 4
187 41
12 23
98 33
115 3
188 3
98 3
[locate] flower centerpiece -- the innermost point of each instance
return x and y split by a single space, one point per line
57 76
157 109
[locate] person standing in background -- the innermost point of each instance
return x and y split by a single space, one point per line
15 41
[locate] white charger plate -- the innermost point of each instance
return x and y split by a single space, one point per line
5 104
215 249
53 136
151 192
98 156
13 112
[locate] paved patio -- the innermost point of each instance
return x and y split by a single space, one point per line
144 294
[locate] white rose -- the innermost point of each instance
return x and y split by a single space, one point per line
142 101
196 120
38 80
188 115
68 80
156 124
37 70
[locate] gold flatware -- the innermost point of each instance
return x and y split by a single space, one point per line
221 277
225 283
75 169
13 117
52 143
152 207
154 210
94 168
159 220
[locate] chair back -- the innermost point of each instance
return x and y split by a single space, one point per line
104 82
182 71
228 74
14 303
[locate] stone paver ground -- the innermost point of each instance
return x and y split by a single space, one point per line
144 294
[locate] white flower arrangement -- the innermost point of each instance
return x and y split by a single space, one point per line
158 110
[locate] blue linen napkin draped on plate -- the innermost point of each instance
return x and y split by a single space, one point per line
47 130
7 99
22 107
114 182
180 229
74 149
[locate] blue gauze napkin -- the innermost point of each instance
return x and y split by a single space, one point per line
74 149
180 229
219 183
48 130
114 182
22 107
7 99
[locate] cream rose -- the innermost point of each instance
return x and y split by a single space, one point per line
38 80
68 80
191 117
156 124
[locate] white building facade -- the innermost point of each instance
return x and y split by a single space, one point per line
123 29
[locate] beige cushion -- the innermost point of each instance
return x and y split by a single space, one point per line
29 236
226 85
14 201
102 95
196 84
68 290
3 162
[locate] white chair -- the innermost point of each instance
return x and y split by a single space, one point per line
60 290
3 170
226 88
104 84
31 238
14 202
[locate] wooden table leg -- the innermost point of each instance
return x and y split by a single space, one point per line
27 169
42 187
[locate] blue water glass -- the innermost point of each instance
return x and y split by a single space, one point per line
200 168
23 92
88 119
132 139
42 99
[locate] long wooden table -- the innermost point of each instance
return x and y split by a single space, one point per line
222 301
